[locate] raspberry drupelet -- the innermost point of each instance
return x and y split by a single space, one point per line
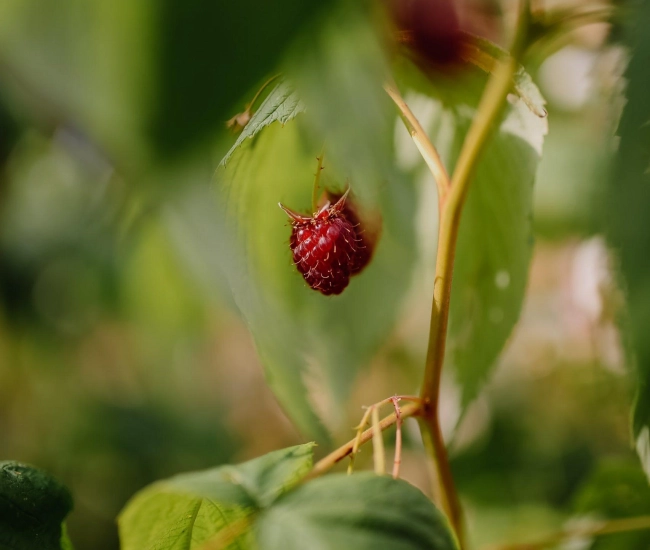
365 240
326 247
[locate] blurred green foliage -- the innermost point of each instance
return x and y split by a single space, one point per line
149 80
121 361
616 489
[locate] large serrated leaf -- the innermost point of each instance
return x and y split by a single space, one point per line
313 346
360 512
494 247
627 209
193 511
33 506
281 105
495 238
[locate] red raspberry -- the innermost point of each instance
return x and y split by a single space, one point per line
326 248
367 238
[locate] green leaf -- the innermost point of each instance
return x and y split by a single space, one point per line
495 238
363 511
529 93
313 346
261 481
281 105
626 210
339 75
189 510
33 506
494 247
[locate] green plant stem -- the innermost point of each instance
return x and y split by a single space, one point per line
444 491
488 112
606 528
325 464
240 120
260 91
422 142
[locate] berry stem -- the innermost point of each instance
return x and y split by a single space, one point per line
316 186
248 111
487 115
260 91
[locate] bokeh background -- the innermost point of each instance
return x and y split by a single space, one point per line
123 359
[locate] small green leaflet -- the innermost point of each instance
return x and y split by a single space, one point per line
281 105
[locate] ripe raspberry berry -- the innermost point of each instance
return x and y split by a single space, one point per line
366 237
326 248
